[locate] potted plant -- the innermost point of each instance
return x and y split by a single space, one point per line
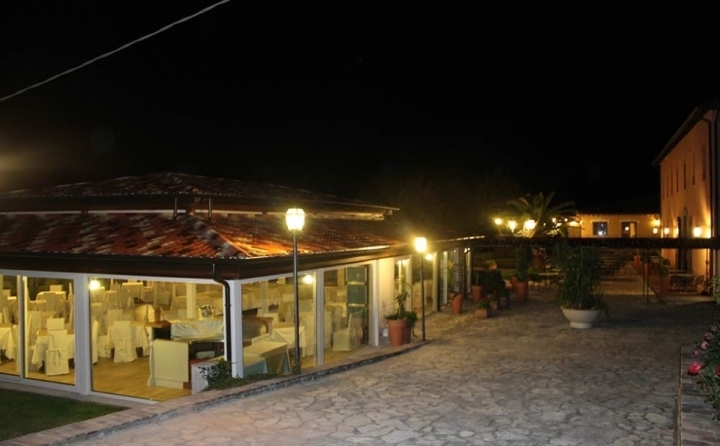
482 309
397 320
580 295
522 265
411 318
637 259
663 269
475 286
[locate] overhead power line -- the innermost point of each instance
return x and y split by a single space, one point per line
109 53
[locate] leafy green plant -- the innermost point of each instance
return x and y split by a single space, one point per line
219 376
580 277
663 268
485 303
492 281
400 298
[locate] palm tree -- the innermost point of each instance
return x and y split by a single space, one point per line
548 217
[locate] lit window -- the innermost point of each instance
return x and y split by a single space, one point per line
600 228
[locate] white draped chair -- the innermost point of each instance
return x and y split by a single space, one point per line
121 333
348 338
56 356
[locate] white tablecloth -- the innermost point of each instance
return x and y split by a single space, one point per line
198 328
275 353
287 335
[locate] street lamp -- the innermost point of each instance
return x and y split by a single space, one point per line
420 247
295 219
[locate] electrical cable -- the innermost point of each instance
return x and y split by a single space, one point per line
110 53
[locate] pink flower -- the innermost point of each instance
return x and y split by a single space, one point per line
694 368
708 335
696 353
704 345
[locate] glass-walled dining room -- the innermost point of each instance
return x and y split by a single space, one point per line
143 336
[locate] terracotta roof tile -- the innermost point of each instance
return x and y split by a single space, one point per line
231 236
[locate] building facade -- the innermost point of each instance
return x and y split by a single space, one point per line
119 287
688 189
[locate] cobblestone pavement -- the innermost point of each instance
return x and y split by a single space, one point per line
522 377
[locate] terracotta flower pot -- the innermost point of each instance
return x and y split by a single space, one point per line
396 331
476 293
521 289
457 302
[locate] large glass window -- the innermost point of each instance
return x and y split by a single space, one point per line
269 316
145 335
346 320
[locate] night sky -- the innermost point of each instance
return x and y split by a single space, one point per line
562 95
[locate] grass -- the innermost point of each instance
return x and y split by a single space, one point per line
25 412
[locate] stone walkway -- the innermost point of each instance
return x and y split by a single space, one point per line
522 377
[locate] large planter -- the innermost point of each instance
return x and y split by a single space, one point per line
396 331
521 289
476 291
456 303
581 318
664 285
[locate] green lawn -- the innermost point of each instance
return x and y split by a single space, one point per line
25 412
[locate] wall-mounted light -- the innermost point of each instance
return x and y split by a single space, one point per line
666 230
655 230
697 231
512 224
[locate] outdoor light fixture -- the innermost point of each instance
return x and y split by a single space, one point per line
529 225
655 230
697 231
512 224
94 285
295 220
666 230
421 247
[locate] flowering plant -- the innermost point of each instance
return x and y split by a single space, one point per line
706 366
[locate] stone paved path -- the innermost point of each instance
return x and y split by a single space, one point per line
522 377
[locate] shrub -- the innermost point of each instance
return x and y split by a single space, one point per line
706 366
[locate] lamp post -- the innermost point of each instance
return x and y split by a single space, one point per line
295 219
420 247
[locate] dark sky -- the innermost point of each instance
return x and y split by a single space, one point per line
564 96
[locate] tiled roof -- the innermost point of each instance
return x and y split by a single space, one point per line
189 236
132 189
130 226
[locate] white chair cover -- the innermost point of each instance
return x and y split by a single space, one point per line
56 356
121 332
